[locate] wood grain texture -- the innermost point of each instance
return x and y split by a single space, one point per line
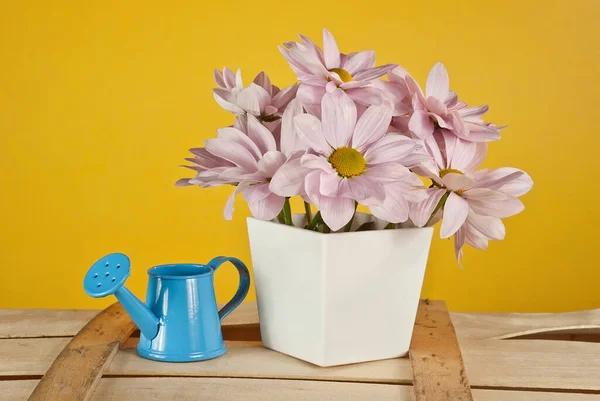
32 323
212 389
77 370
28 323
438 368
526 364
510 325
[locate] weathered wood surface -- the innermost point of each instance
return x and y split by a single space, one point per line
437 364
87 354
510 325
32 323
211 389
535 364
557 370
25 323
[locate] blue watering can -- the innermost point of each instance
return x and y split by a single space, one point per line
180 321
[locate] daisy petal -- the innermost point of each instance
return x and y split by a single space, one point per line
309 129
257 192
490 227
238 79
437 82
338 118
481 133
508 180
311 187
459 242
271 162
373 73
248 100
229 78
229 205
359 61
260 135
233 152
330 50
289 139
224 99
235 135
476 241
421 212
267 208
456 210
373 125
394 208
456 182
420 124
289 179
284 96
361 188
262 80
331 185
205 159
432 146
316 162
183 182
310 94
219 79
474 111
477 158
488 202
336 212
387 172
390 148
366 95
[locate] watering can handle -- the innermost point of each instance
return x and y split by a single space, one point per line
243 288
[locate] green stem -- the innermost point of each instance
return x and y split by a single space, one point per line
287 212
307 212
390 226
316 220
348 226
280 217
440 204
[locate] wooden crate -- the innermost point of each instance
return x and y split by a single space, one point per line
507 357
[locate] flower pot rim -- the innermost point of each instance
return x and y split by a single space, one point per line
356 233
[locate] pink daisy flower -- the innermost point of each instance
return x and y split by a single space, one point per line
320 71
261 99
438 109
248 157
350 161
473 202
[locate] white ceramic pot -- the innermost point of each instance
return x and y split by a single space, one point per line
334 299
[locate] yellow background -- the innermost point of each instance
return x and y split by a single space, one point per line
100 100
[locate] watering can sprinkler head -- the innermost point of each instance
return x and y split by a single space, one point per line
107 276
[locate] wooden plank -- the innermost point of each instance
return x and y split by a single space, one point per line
211 389
533 364
438 368
32 323
77 370
522 364
511 325
26 323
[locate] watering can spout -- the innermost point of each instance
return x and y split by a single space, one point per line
107 276
143 317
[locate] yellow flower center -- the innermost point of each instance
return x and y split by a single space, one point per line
343 74
448 171
348 162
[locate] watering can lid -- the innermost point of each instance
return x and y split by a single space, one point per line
107 275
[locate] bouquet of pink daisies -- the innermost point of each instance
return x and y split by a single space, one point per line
343 136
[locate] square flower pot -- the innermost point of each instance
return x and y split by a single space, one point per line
339 298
